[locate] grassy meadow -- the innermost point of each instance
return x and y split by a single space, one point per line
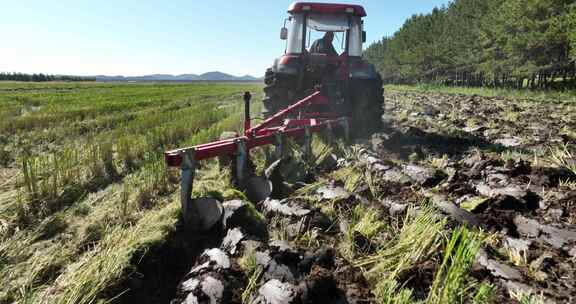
83 186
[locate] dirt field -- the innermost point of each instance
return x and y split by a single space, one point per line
510 164
383 221
460 199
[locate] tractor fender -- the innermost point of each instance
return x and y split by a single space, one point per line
287 65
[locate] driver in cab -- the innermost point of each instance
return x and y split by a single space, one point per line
324 45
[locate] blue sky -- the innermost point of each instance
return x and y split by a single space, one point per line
129 37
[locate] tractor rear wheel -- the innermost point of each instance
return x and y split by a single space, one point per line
367 106
279 93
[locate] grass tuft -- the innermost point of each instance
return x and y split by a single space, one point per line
484 293
563 157
369 224
449 284
419 239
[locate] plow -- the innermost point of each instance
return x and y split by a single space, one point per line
311 88
273 131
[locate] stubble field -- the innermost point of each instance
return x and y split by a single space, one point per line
83 187
461 198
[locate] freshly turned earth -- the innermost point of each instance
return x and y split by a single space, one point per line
484 162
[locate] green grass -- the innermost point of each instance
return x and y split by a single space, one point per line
539 95
450 282
422 237
417 240
87 191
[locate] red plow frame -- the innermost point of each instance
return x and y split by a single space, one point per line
270 132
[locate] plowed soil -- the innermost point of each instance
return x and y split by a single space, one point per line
505 167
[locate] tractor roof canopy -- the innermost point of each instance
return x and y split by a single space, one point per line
326 8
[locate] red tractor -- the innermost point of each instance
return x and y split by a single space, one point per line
353 86
313 87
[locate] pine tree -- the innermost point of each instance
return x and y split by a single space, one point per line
482 42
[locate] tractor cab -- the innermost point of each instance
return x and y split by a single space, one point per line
309 22
323 52
307 27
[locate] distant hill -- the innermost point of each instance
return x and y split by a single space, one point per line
210 76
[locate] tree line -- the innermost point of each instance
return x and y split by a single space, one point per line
42 77
492 43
